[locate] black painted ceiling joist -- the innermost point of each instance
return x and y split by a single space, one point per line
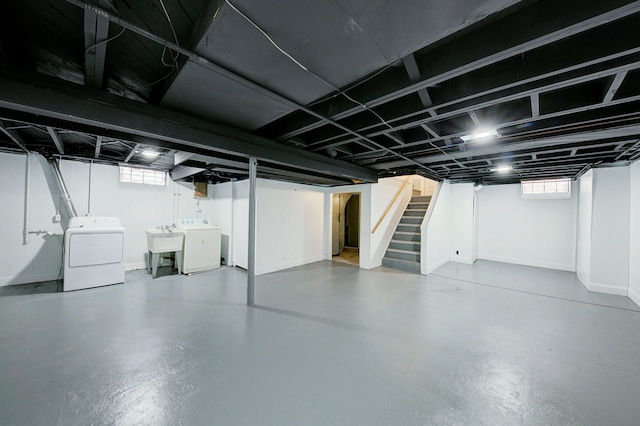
52 98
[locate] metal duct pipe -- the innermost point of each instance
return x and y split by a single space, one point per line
71 210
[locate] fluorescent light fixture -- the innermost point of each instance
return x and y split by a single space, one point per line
150 154
480 134
502 169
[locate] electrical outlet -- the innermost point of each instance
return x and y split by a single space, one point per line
457 252
56 218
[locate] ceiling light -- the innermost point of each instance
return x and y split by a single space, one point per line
150 154
502 169
480 134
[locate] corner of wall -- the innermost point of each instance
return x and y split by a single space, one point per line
634 296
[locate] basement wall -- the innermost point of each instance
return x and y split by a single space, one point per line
605 243
434 245
529 232
289 225
634 233
610 231
138 207
585 218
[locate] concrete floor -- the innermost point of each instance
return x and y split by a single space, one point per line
328 344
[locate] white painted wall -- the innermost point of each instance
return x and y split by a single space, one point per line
610 231
634 233
241 224
289 225
461 223
435 242
585 216
40 258
222 196
138 207
527 232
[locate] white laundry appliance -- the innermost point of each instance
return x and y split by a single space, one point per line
201 250
93 252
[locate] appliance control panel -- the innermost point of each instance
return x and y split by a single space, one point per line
193 222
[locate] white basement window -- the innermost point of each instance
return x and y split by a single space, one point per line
139 175
548 188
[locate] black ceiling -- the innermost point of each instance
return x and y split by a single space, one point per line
325 91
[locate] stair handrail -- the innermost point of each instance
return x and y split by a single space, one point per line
375 228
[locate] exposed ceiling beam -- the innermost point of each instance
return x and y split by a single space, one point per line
507 93
413 71
397 138
430 131
519 146
212 66
98 147
629 150
615 85
56 140
535 105
456 113
475 119
15 137
132 153
242 168
502 49
69 103
96 31
204 24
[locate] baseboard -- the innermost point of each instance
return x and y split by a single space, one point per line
608 289
29 279
436 265
287 265
635 297
585 284
534 263
458 259
135 266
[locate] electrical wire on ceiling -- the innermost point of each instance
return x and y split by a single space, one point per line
330 85
295 61
100 43
175 36
174 57
356 84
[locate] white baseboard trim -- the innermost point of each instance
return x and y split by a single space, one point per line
585 284
135 266
436 265
608 289
458 259
287 265
635 297
534 263
29 279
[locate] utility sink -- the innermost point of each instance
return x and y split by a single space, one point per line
163 241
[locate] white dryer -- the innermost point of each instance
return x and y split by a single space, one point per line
93 252
201 250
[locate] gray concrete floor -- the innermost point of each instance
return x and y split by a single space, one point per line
328 344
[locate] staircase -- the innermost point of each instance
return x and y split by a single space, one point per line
404 250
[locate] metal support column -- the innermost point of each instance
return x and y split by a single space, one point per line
251 270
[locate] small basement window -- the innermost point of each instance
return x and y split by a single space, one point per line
548 188
139 175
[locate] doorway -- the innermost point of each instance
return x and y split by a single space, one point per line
345 235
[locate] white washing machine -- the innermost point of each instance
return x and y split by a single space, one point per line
93 252
201 250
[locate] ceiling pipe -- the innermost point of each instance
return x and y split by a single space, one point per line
64 193
233 76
